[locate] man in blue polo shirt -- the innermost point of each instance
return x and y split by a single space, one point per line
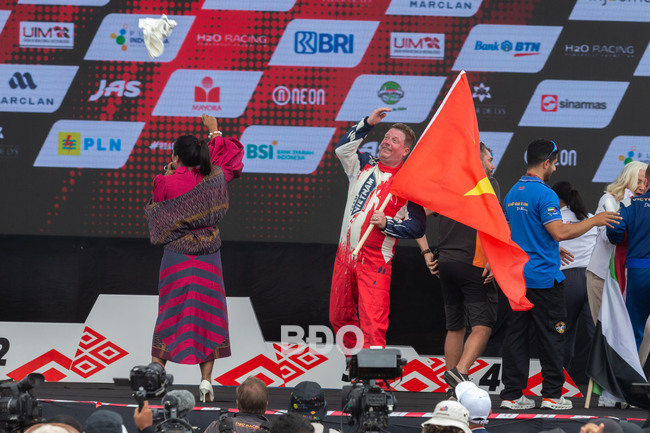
533 211
635 212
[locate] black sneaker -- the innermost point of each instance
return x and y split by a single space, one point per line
453 377
451 394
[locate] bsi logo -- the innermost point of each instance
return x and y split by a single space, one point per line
119 88
260 151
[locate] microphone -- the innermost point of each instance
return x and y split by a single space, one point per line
178 402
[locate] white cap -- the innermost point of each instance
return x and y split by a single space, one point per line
476 400
450 413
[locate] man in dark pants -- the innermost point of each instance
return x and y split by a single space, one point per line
533 211
469 294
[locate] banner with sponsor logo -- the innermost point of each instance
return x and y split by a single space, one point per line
82 102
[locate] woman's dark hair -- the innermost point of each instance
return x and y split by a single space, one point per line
572 198
193 152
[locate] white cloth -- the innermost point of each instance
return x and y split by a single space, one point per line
320 428
599 262
582 246
155 30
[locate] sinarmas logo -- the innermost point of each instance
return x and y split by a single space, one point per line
23 81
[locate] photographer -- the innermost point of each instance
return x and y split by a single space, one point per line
308 400
144 418
252 401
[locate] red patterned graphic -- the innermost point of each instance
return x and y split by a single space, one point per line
291 362
52 374
426 375
95 353
534 386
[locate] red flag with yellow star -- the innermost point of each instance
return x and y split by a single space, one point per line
444 174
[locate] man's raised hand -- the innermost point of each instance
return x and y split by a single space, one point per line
377 115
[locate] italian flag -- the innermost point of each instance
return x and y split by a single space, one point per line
613 359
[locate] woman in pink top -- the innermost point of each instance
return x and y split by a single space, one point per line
188 203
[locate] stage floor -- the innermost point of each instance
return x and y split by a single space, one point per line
80 399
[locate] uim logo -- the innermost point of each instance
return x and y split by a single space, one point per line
314 43
22 80
120 88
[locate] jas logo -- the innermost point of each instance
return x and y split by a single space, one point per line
119 88
23 81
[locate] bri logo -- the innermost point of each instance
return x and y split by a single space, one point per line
314 43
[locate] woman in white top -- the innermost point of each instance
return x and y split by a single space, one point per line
575 285
629 182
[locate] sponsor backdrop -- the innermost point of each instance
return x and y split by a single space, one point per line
88 118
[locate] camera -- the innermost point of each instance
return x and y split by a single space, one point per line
19 407
366 402
172 418
149 381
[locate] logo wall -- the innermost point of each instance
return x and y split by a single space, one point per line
34 88
119 38
574 104
441 8
332 43
38 34
417 45
88 144
250 5
609 10
4 16
191 92
643 69
498 142
507 48
284 149
622 149
411 98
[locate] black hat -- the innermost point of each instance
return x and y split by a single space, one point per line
104 421
308 400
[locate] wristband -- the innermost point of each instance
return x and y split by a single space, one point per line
213 134
427 251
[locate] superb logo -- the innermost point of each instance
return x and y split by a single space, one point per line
549 103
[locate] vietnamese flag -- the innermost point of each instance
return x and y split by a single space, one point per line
444 174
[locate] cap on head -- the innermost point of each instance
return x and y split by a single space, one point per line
308 400
450 413
476 400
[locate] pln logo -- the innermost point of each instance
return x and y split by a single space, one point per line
119 88
260 151
317 43
549 103
71 143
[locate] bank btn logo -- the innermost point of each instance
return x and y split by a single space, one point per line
441 8
250 5
622 150
611 10
574 104
284 149
330 43
410 97
119 38
191 92
89 144
507 48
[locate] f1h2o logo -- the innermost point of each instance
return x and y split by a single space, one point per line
315 43
22 80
